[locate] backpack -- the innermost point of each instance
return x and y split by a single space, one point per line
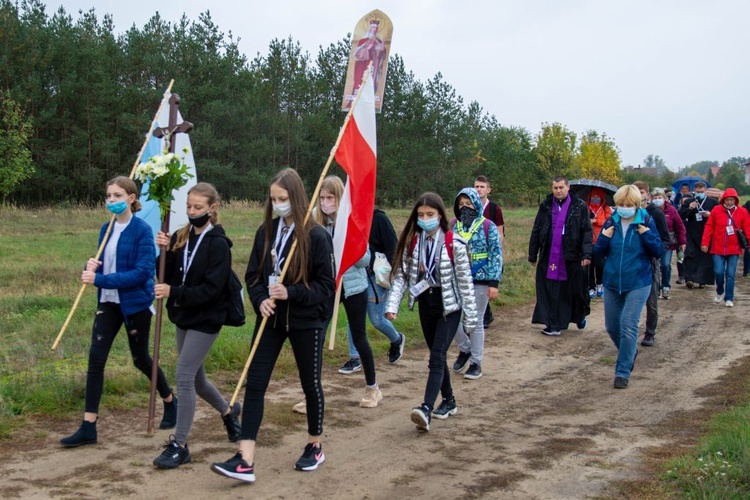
235 301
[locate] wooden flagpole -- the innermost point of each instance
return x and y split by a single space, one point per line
288 259
335 317
112 220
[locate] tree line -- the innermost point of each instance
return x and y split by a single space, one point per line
76 98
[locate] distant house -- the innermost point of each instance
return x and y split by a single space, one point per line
715 171
650 171
747 173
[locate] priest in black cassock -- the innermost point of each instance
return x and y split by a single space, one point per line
698 267
561 243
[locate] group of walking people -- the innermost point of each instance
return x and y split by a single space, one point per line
450 266
584 249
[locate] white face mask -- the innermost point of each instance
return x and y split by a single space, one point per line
658 202
328 208
282 209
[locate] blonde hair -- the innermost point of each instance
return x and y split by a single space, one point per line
335 186
209 192
629 194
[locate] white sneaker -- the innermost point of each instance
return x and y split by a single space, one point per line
665 293
373 396
729 303
300 407
717 299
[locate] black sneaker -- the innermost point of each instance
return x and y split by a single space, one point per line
236 468
311 458
173 455
446 409
461 361
621 383
351 366
169 419
397 349
474 371
581 324
648 340
232 423
421 416
680 280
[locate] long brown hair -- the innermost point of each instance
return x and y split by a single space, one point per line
130 187
289 180
411 229
335 186
209 192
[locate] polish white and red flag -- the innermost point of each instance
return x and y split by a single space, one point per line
357 155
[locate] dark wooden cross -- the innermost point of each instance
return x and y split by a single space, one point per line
173 127
168 133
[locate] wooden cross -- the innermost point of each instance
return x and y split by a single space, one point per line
173 127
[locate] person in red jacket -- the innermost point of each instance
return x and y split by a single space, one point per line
599 212
720 238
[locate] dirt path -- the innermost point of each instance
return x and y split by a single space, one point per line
543 422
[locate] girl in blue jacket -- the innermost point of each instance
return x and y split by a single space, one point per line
125 281
629 240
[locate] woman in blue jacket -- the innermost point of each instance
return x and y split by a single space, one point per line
125 281
629 240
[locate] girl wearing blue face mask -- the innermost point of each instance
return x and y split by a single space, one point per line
628 240
125 282
432 265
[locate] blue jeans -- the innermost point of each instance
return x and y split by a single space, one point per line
376 313
666 269
725 264
622 311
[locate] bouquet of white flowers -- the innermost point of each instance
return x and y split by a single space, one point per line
163 174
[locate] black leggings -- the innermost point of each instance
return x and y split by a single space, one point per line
307 346
439 330
107 322
356 313
596 272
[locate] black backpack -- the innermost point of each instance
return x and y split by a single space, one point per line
235 301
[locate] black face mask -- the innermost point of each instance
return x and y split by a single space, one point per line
467 215
201 220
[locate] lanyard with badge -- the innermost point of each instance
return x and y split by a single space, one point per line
187 262
698 216
730 223
427 261
283 232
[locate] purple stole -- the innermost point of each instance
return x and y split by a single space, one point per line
556 266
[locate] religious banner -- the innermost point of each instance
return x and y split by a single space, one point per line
180 144
371 42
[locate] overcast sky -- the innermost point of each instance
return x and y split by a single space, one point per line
661 77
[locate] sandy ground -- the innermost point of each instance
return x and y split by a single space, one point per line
543 422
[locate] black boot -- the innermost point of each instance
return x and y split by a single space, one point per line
232 423
86 434
169 419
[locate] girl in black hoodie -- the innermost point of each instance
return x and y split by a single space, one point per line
199 263
299 308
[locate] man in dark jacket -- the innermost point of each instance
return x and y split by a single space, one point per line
652 304
695 210
561 242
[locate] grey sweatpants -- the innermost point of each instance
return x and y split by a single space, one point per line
474 342
192 348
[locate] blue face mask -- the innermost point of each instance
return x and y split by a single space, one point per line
117 207
658 202
429 224
700 196
626 212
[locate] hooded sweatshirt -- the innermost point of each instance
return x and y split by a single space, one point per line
199 303
720 233
483 239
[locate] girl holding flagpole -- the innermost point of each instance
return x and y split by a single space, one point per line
198 266
432 265
299 308
354 284
125 281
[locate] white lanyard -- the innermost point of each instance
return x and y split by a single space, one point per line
429 260
279 244
186 263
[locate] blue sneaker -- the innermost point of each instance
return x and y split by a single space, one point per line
581 324
599 290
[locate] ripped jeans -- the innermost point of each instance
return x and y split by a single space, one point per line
107 322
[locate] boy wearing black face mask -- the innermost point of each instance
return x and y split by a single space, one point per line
486 254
